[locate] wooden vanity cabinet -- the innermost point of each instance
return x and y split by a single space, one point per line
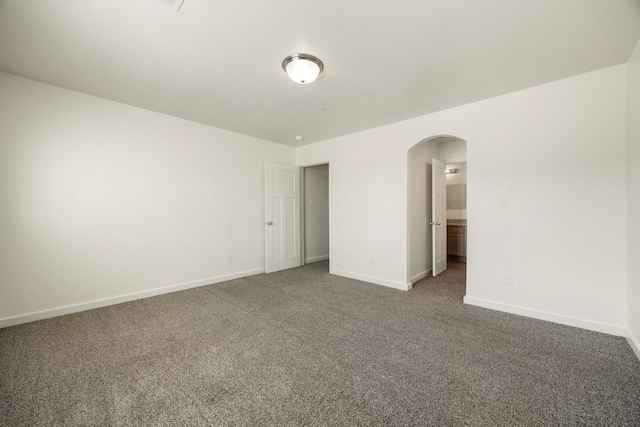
457 242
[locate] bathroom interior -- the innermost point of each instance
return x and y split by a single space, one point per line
456 176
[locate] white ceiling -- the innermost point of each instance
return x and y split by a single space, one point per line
219 62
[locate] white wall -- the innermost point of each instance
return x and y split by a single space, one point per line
453 151
546 202
633 196
369 213
457 178
420 232
102 202
316 213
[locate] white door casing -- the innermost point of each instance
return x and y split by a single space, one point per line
282 217
438 216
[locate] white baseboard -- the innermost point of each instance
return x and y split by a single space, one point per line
374 280
551 317
422 275
74 308
316 259
634 343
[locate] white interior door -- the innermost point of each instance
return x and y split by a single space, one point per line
439 216
282 217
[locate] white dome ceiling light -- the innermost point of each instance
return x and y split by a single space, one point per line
302 68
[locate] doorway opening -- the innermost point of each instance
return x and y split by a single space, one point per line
452 151
315 214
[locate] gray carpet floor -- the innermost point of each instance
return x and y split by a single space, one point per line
302 347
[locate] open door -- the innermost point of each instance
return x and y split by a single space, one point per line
282 217
438 216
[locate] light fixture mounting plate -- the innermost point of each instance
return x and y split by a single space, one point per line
304 56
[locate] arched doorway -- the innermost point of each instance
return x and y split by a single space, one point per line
450 149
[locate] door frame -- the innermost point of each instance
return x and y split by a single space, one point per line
303 207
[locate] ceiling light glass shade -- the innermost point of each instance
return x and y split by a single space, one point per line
302 68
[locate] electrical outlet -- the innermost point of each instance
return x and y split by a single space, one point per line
507 279
228 258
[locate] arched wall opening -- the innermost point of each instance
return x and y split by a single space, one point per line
449 149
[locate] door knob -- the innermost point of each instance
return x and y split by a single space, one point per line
269 223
